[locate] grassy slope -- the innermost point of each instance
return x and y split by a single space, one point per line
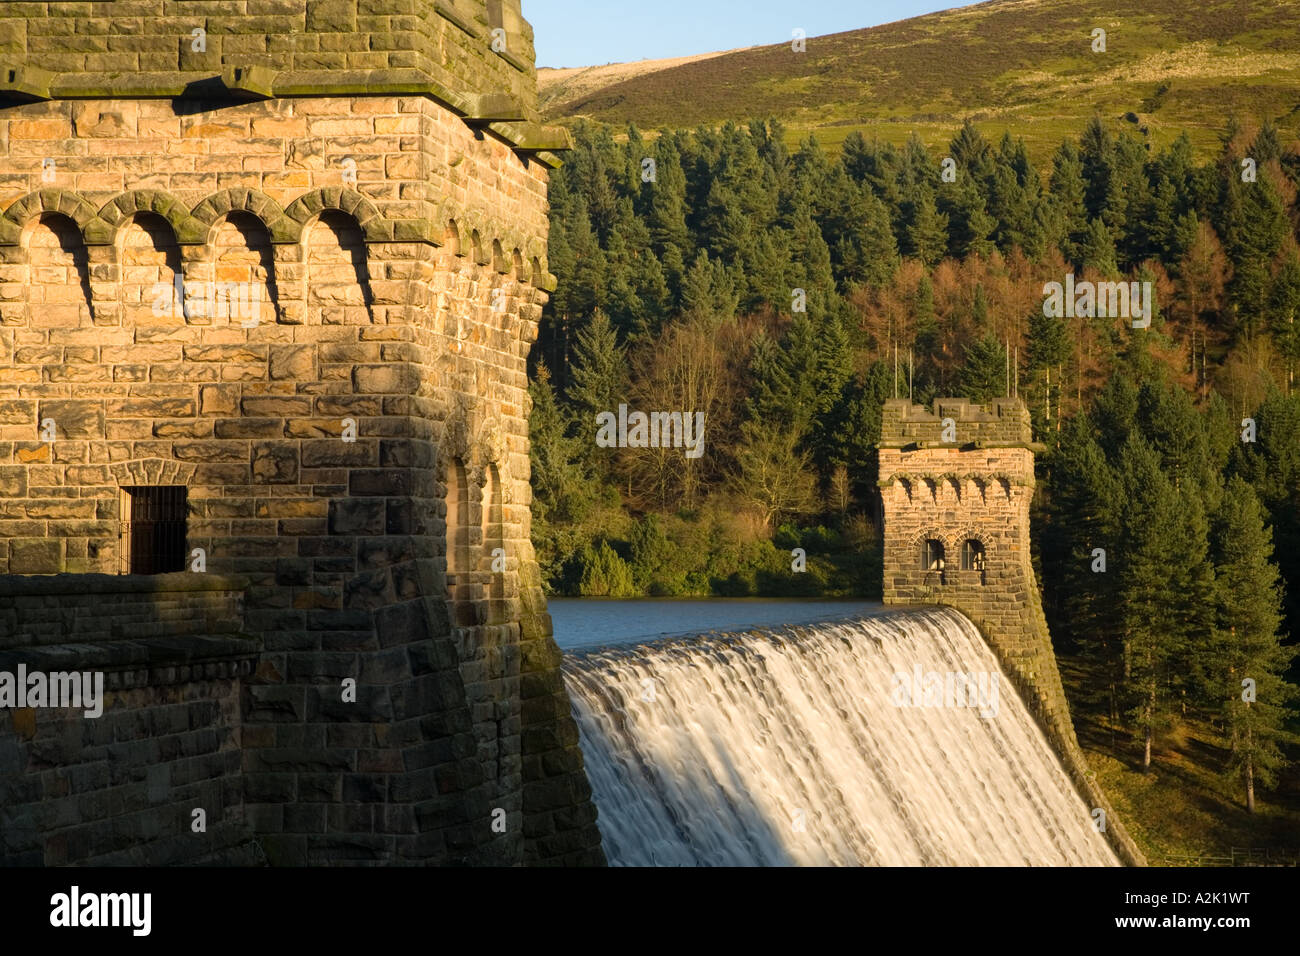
557 86
1182 809
1022 65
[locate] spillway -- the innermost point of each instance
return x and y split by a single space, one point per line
892 740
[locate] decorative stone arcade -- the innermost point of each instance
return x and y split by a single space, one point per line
332 416
956 483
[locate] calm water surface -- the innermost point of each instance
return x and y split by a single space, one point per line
592 622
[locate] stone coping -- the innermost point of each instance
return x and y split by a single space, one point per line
921 444
23 585
994 410
220 655
25 83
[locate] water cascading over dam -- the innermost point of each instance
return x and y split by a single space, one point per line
819 745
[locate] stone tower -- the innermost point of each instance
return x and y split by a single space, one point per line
269 275
956 484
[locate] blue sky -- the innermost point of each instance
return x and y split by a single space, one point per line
590 32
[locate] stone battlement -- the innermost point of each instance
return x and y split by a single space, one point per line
1003 421
474 57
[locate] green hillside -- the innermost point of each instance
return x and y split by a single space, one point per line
1020 65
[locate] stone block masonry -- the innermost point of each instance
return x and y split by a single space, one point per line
122 788
956 483
353 445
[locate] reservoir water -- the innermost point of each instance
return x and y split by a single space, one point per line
586 622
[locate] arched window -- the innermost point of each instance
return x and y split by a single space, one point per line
972 557
493 532
932 559
458 520
460 533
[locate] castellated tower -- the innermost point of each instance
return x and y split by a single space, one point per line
956 484
269 275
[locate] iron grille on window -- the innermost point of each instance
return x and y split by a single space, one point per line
155 531
932 555
972 556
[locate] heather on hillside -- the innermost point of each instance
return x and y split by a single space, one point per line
1169 68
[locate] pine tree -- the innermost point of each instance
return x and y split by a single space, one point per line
769 276
1098 250
1249 649
810 260
878 166
1069 195
665 199
1267 147
969 223
1130 193
562 487
1153 545
1082 530
1272 465
984 376
865 249
708 288
1284 309
605 574
853 426
599 373
1154 235
1046 354
972 153
924 340
588 280
1258 233
1170 424
927 229
1016 200
1101 182
1113 415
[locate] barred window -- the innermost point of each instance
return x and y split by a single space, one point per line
154 531
932 555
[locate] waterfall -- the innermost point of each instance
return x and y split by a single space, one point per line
892 740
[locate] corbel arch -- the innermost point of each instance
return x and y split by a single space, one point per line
65 202
307 207
212 210
124 207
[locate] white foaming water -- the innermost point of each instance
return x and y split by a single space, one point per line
795 748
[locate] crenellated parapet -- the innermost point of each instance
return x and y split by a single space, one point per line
472 57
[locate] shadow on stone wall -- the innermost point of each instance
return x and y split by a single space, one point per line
122 788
